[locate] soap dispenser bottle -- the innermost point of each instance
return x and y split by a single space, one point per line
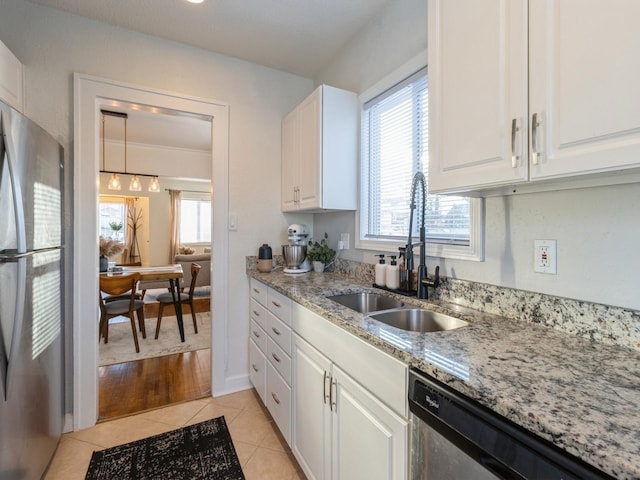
381 271
392 274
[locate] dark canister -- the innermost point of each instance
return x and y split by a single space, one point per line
265 258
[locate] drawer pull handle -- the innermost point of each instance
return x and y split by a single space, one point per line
276 304
275 398
253 365
256 313
256 334
256 290
276 357
275 330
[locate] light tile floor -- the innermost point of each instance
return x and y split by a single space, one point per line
263 453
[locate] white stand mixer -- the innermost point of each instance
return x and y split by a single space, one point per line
295 254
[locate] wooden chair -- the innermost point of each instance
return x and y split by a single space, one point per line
119 304
167 299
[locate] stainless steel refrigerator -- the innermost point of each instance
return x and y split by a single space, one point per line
31 296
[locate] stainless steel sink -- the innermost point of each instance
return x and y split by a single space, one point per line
418 320
365 302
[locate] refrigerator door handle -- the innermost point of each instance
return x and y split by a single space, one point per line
8 367
18 207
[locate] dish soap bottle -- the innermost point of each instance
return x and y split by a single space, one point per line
392 274
381 271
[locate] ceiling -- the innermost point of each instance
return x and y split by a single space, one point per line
295 36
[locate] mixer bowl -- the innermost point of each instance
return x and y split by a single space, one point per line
294 255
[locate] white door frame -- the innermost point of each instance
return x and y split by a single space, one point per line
89 93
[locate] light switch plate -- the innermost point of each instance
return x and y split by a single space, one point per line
545 256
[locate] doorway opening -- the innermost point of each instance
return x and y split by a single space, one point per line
161 232
91 95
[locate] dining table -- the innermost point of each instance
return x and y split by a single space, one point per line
172 273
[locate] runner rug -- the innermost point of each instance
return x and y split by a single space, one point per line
122 349
197 452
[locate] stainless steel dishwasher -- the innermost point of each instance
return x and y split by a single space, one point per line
454 437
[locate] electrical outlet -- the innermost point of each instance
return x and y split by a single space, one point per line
344 241
544 256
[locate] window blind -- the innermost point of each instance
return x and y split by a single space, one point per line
395 142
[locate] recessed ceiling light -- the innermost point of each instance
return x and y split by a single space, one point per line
195 1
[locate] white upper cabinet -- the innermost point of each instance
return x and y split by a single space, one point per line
521 92
319 152
11 79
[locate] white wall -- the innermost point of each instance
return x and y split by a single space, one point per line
597 229
53 44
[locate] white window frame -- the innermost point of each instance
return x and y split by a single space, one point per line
203 197
475 250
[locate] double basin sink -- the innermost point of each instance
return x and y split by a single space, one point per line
394 312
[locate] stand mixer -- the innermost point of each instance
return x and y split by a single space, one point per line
295 254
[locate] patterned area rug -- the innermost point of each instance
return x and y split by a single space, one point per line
197 452
121 348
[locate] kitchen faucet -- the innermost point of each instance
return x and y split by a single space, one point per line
423 282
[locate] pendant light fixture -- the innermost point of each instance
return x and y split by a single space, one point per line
114 181
154 185
135 185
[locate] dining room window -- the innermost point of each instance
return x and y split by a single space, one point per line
195 218
113 218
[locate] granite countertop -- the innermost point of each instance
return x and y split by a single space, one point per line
581 395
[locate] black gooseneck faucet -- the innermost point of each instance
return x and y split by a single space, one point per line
422 282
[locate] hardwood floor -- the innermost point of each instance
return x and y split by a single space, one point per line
133 387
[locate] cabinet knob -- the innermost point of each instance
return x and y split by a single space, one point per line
255 369
275 330
276 357
276 304
275 398
256 334
256 313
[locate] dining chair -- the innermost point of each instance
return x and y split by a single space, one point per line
185 298
119 304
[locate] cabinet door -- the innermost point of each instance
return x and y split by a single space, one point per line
584 72
310 158
310 435
289 161
369 440
477 93
10 78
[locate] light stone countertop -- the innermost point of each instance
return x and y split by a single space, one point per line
581 395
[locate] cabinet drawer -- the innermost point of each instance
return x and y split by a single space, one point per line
279 359
279 305
278 396
258 291
259 336
280 332
257 370
258 313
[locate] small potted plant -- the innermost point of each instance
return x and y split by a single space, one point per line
320 254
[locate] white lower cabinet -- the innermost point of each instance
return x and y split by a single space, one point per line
340 430
257 369
270 353
278 401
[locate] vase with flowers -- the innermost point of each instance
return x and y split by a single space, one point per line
108 248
